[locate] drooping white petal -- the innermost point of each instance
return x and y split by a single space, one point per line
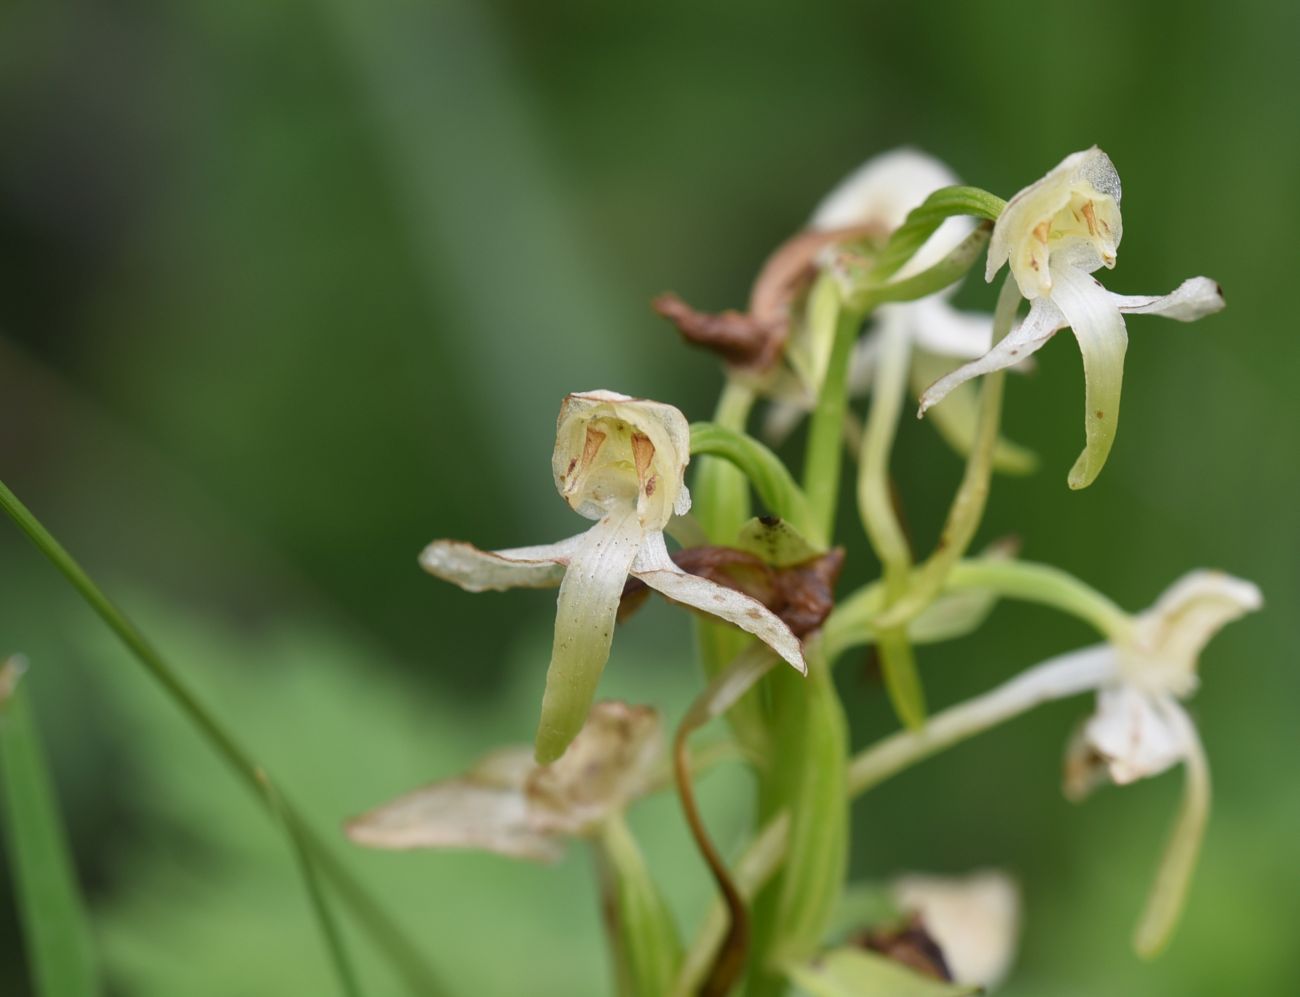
1193 299
654 567
1132 732
1169 891
1099 328
975 919
584 627
1040 324
485 809
477 570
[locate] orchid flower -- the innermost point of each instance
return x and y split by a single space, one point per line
508 804
878 196
619 461
975 919
1141 729
1053 235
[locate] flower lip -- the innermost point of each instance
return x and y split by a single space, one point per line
615 452
1070 216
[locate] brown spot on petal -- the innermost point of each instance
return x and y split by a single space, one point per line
1042 230
651 484
1100 414
643 452
1090 216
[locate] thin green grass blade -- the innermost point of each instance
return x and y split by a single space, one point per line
325 919
55 930
384 932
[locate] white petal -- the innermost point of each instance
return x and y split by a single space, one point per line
975 919
1131 731
584 628
1192 299
477 570
485 809
1099 328
654 567
1169 891
1170 636
882 191
942 329
1043 320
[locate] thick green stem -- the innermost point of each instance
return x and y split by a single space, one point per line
808 782
825 454
384 932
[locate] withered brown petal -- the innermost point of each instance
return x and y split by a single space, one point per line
909 944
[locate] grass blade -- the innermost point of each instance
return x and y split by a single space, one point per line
55 930
385 933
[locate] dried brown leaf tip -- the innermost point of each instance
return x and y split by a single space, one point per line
801 595
911 945
752 340
741 339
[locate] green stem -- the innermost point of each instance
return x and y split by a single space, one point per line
1046 585
765 472
387 936
721 490
968 504
875 503
325 919
825 456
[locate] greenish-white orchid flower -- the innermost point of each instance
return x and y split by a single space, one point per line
1054 234
619 461
975 919
508 804
878 197
1141 729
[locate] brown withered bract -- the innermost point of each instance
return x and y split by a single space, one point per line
752 339
909 944
801 595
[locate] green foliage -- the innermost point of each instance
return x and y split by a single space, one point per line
55 929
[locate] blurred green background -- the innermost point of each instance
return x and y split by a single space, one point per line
287 290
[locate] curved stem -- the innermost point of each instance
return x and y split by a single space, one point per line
875 504
968 504
765 471
1046 585
384 932
721 490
